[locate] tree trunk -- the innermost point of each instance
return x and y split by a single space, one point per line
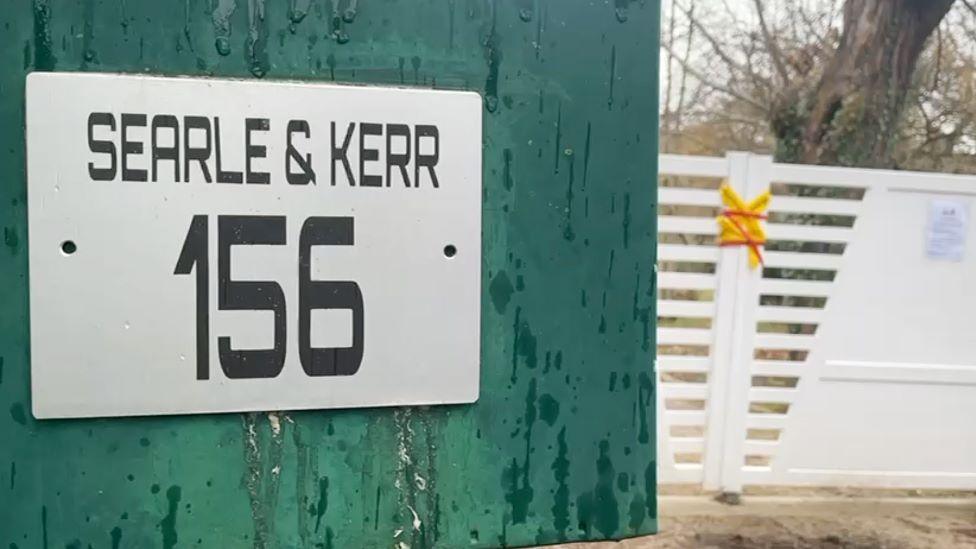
850 116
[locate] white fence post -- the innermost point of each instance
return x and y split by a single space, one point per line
730 264
737 301
758 179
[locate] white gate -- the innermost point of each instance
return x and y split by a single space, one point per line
848 360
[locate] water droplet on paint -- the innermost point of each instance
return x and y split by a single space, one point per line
525 14
126 326
349 15
223 45
297 15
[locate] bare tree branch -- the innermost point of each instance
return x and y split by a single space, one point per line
735 76
968 4
771 45
715 85
666 117
719 48
679 119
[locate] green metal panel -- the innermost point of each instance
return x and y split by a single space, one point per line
561 445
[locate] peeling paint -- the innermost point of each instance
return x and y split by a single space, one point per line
275 423
11 239
560 472
500 291
517 478
257 39
18 414
323 503
416 519
168 524
116 537
222 13
645 400
493 56
548 409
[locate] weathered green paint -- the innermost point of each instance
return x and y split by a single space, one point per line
561 444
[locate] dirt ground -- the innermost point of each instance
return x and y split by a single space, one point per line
830 522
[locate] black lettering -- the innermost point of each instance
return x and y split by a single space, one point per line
255 151
160 152
368 155
222 176
195 255
343 153
426 160
131 147
250 295
201 154
304 162
397 159
327 294
99 146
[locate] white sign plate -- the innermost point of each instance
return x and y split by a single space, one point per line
202 245
946 230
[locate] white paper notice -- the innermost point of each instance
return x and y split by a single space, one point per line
946 231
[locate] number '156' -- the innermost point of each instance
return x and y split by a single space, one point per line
234 295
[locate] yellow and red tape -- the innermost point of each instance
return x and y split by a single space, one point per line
741 222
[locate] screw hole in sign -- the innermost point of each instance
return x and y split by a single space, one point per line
740 222
68 247
450 250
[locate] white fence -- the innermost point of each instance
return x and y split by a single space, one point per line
849 360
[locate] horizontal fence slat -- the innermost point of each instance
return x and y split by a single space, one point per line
785 341
760 447
679 473
802 261
757 475
808 233
825 206
700 364
681 224
772 394
870 178
776 368
795 287
696 309
686 445
701 166
684 417
691 391
686 281
681 252
683 336
689 197
788 314
822 175
765 421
